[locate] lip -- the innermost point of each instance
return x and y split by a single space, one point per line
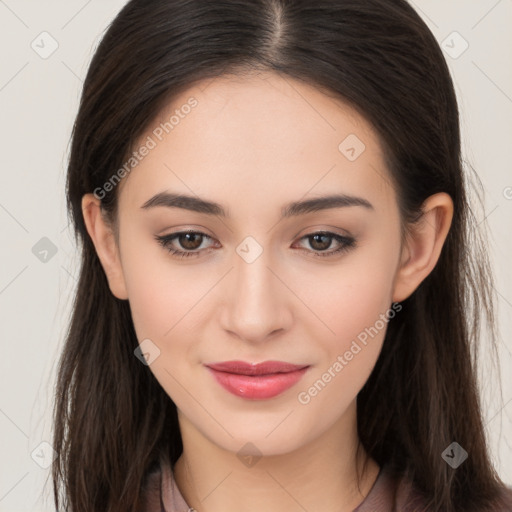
256 381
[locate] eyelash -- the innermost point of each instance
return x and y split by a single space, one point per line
347 243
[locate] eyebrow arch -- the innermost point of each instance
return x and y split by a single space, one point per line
171 200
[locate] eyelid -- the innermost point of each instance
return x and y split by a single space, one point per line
324 228
187 229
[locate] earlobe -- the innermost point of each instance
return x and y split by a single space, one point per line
105 244
423 245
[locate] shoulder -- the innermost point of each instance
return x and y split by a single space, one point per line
395 492
406 496
410 499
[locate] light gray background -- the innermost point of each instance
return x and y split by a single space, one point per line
38 102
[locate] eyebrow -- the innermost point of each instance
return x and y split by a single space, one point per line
196 204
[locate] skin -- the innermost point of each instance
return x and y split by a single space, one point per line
254 144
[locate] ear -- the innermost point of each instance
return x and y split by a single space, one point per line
105 244
423 245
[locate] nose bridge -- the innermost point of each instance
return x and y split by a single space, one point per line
256 305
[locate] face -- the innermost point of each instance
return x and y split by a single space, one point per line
260 278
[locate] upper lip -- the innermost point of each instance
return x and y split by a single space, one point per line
264 368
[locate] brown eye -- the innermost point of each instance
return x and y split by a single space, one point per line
190 241
323 240
183 244
320 241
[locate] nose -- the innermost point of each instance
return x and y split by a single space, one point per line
257 303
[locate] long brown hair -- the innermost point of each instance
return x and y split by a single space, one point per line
112 419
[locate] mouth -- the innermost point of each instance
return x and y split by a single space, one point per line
256 381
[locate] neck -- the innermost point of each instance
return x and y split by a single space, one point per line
322 475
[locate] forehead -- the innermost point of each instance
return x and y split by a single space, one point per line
258 137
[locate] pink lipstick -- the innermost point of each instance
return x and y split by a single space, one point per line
257 381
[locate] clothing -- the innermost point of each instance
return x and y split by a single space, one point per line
387 494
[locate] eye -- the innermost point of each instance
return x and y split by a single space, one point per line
191 241
322 240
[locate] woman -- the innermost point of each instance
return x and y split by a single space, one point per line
277 300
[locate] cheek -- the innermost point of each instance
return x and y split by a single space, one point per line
164 304
359 321
350 297
162 295
360 307
355 306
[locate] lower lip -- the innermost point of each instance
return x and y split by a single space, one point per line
258 387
